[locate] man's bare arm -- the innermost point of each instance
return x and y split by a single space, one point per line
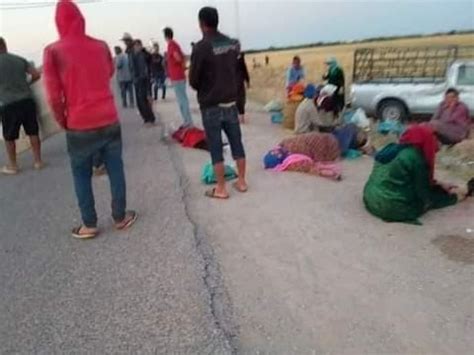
35 74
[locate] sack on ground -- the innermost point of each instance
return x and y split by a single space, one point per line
208 176
273 106
357 117
289 112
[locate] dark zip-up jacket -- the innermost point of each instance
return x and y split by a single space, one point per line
213 72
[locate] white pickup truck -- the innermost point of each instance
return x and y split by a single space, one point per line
396 83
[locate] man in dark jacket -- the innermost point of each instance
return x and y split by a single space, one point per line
140 64
214 75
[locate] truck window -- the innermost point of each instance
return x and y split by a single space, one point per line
466 75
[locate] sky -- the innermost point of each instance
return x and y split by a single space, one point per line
257 23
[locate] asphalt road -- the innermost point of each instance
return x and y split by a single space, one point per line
142 291
295 266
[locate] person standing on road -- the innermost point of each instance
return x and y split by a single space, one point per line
124 77
158 72
17 106
176 67
214 76
77 73
243 82
141 61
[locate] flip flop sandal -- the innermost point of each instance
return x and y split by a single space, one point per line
239 189
132 218
212 194
76 233
39 166
9 171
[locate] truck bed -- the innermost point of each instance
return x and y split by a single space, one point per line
406 64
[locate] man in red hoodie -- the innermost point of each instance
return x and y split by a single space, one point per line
77 71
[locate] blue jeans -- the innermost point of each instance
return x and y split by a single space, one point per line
183 102
126 88
217 119
82 147
159 81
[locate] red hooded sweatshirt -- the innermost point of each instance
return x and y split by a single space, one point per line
77 72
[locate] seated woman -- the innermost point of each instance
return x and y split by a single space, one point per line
327 109
401 187
306 116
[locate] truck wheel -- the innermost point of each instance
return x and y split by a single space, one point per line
392 110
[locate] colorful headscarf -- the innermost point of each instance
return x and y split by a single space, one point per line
422 137
274 157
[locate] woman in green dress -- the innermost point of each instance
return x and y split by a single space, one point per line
401 187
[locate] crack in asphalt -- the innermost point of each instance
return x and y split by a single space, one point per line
219 300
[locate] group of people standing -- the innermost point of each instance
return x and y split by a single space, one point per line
146 73
77 70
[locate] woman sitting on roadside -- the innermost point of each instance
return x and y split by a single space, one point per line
327 109
401 187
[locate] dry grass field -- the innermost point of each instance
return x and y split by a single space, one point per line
268 82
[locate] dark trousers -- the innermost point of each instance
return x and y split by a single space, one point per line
83 146
217 119
241 98
159 81
142 91
126 89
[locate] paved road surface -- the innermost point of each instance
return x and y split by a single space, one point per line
142 291
294 266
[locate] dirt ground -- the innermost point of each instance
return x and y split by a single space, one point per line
268 81
306 270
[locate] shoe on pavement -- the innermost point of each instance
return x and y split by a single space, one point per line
8 170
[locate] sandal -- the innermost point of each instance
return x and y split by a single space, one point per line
76 233
129 220
39 166
239 189
212 194
7 170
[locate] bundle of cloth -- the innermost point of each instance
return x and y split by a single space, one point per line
402 186
191 137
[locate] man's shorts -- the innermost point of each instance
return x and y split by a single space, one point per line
217 119
17 114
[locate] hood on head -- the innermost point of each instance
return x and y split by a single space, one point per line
69 19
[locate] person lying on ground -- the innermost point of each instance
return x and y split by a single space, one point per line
279 159
402 187
451 122
295 73
306 116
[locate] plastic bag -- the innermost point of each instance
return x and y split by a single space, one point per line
208 176
273 106
357 117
